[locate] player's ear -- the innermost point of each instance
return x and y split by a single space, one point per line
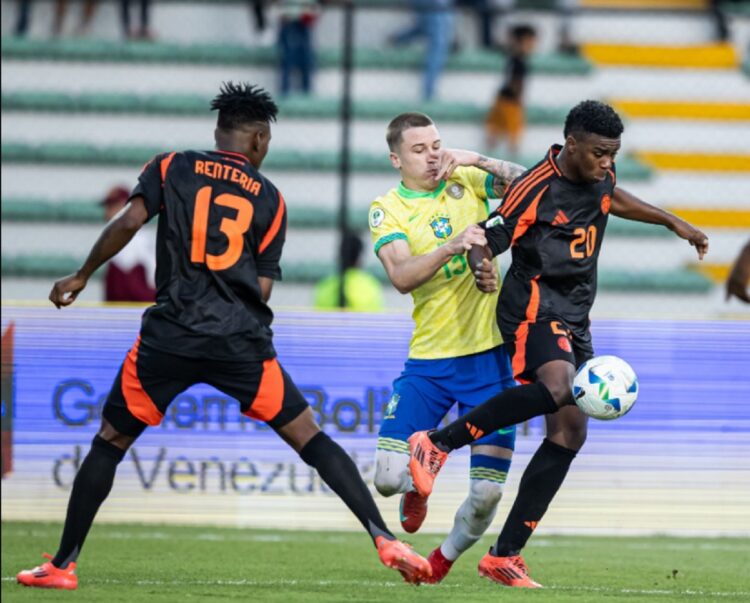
395 160
571 144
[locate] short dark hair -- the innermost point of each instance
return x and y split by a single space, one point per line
241 104
519 32
593 117
394 133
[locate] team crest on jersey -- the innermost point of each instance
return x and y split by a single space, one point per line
390 409
377 216
606 202
441 226
455 190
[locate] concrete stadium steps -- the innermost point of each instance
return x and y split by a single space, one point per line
476 87
309 133
97 103
164 53
321 189
277 159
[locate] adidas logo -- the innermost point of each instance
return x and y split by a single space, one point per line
475 432
560 218
531 524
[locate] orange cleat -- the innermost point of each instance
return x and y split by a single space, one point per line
510 571
399 556
425 462
440 566
412 511
49 576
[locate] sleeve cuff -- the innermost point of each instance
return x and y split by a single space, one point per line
489 186
387 239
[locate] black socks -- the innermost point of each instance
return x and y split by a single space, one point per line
90 487
513 406
338 470
540 482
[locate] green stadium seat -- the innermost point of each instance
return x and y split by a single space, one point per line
214 54
300 216
655 281
282 160
293 107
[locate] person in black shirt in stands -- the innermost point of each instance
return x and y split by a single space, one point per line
553 219
221 230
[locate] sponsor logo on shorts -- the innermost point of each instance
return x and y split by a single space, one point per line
564 344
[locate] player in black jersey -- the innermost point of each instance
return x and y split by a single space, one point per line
221 231
553 218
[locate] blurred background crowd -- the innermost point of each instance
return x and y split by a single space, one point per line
91 90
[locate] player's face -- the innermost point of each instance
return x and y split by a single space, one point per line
418 157
594 156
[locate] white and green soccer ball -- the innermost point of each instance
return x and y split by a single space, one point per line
605 387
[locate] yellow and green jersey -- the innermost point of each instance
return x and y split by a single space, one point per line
452 317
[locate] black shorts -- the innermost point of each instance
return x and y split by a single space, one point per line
532 344
150 379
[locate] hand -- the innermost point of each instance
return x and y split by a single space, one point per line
485 276
473 235
450 159
65 291
693 236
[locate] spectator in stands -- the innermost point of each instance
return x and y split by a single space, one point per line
130 274
264 35
144 31
485 15
61 8
506 120
296 51
362 291
434 20
739 276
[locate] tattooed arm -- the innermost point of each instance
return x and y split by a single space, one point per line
504 172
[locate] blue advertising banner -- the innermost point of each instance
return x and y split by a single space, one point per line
207 463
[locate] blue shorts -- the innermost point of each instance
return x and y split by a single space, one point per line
427 389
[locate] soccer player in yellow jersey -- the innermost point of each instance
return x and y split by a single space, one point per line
421 231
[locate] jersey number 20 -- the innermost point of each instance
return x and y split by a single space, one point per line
233 228
585 238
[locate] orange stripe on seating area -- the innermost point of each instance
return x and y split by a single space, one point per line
139 403
270 396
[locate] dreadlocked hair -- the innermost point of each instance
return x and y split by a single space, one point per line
241 104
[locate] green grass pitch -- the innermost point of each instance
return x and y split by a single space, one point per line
167 563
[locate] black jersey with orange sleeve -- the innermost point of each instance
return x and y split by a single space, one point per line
221 226
554 228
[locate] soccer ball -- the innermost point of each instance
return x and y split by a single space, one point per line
605 387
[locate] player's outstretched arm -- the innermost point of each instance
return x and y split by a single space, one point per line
116 234
628 206
503 171
407 271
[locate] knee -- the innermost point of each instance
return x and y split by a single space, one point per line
561 391
485 496
391 472
570 436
